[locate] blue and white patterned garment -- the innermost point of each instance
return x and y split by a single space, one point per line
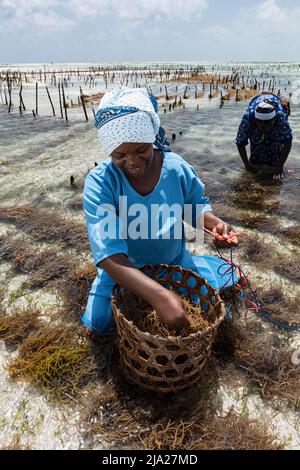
126 115
178 184
119 124
265 149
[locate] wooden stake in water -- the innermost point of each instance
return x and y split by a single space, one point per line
36 99
83 104
53 110
167 96
9 92
60 100
22 105
64 102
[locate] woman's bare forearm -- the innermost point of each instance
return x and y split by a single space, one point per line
168 306
127 275
243 154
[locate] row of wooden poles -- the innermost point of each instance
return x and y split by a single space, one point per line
62 101
133 72
218 82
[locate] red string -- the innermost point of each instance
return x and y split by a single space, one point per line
243 283
243 279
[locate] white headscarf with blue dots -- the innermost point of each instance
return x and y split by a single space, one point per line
126 115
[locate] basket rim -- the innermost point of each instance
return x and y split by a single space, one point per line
191 336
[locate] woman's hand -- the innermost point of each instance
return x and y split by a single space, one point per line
170 309
224 235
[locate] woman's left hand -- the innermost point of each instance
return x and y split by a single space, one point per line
225 235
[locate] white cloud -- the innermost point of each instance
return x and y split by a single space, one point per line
135 10
24 13
48 13
269 18
23 7
89 7
52 21
263 31
271 14
271 11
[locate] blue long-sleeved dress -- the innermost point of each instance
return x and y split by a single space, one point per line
147 236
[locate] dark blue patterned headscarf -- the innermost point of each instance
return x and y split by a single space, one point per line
138 109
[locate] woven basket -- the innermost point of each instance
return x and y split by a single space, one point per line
173 364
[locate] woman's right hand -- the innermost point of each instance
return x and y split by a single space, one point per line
170 309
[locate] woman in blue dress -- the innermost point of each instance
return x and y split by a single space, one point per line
134 204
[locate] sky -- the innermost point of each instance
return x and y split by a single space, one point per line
153 30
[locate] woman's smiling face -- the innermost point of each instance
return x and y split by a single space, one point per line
133 158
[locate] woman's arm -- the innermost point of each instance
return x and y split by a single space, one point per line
195 196
243 154
110 252
168 306
283 158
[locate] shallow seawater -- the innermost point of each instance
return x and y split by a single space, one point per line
38 157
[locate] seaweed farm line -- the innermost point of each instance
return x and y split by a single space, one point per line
60 90
57 390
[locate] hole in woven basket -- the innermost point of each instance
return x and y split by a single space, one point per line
127 345
143 354
152 371
152 345
176 276
162 384
162 360
172 347
145 381
135 364
181 359
183 292
179 383
171 373
194 345
192 282
188 369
